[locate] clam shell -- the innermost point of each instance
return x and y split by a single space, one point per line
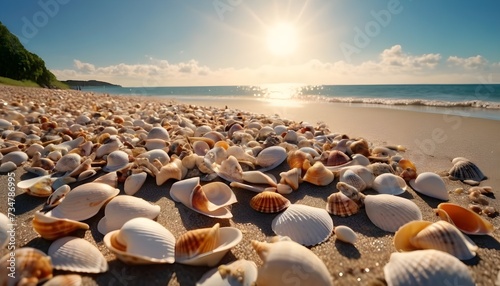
464 219
408 170
68 163
345 234
52 228
116 160
32 266
270 158
389 184
121 209
303 224
112 144
466 171
282 256
318 175
76 255
430 184
351 192
269 202
339 204
158 133
134 182
16 157
390 212
129 242
292 178
363 172
228 237
425 267
84 201
351 178
241 272
4 235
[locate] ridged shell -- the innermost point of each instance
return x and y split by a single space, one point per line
336 158
303 224
351 178
466 171
339 204
76 255
430 184
362 171
142 241
292 178
123 208
464 219
345 234
389 184
269 202
237 273
318 175
280 258
299 159
200 247
52 228
270 158
31 266
390 212
84 201
426 267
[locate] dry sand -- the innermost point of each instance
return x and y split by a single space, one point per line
432 141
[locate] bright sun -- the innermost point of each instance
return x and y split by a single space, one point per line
282 39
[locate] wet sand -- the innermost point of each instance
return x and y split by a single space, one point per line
432 140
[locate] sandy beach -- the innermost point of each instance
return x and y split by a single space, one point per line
431 142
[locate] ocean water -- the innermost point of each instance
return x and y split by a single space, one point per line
472 100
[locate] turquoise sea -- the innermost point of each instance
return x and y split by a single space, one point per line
474 100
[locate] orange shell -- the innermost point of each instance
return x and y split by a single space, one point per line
198 241
339 204
269 202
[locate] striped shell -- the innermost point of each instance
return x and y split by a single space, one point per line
52 228
390 212
31 267
77 255
339 204
303 224
466 171
269 202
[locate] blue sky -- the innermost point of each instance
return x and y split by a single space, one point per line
231 42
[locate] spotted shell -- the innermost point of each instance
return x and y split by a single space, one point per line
269 202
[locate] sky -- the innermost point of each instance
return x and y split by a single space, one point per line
251 42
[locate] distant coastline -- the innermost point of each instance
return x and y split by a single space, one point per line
75 84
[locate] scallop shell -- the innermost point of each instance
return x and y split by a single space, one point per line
318 175
4 227
134 182
351 192
283 256
464 219
52 228
351 178
425 267
430 184
292 178
389 184
345 234
339 204
206 246
303 224
390 212
121 209
466 171
76 255
32 266
116 160
241 272
129 242
269 202
84 201
270 158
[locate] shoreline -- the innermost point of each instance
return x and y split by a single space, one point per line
432 140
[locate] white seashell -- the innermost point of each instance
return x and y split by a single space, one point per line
123 208
56 197
34 148
142 241
430 184
390 212
240 272
154 144
110 179
303 224
16 157
345 234
173 170
68 163
257 177
230 170
87 174
426 267
4 228
76 255
270 158
292 178
159 154
281 257
8 166
38 186
284 189
248 187
351 178
115 161
71 144
84 201
240 154
389 184
134 182
158 133
200 148
111 145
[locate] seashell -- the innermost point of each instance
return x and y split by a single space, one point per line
86 174
32 266
206 246
464 219
110 179
4 230
269 202
173 170
241 272
351 192
388 183
34 148
128 243
200 148
257 177
230 170
282 256
16 157
362 171
153 144
222 144
202 130
68 163
430 184
84 201
489 211
336 158
409 171
270 158
318 175
380 168
466 171
115 161
158 133
66 280
303 224
52 228
351 178
215 156
7 167
339 204
292 178
345 234
390 212
159 154
38 186
360 147
112 144
134 182
210 199
299 159
240 154
248 187
77 255
123 208
425 267
290 136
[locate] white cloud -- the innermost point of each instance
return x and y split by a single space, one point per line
393 65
